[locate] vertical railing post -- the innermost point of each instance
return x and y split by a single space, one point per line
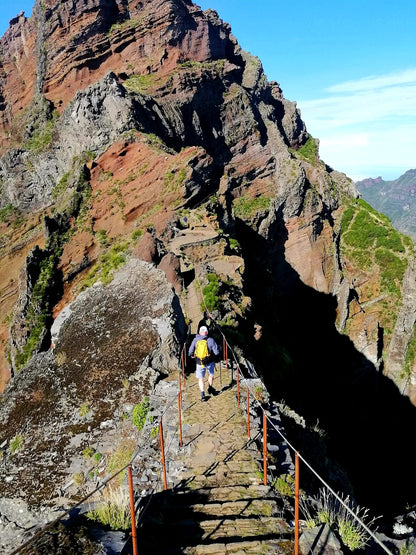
248 412
132 511
183 368
180 386
296 503
162 449
238 385
180 418
264 449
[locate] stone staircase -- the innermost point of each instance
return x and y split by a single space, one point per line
217 503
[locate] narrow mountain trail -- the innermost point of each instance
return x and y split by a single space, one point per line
218 504
192 302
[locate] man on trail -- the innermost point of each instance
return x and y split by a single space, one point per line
202 348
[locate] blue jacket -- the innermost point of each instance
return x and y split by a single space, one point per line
212 346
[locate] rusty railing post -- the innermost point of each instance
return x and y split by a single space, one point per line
132 511
296 503
238 385
183 368
180 418
248 412
180 386
264 449
162 449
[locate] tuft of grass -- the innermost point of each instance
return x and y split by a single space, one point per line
106 265
78 478
121 457
16 443
84 409
327 509
114 512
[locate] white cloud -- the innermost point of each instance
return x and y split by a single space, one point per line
373 82
367 124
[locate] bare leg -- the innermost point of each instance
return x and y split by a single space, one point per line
201 384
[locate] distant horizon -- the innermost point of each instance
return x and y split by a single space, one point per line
350 69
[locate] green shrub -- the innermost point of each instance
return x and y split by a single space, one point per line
136 234
88 452
285 485
211 292
392 269
61 186
235 245
139 413
247 208
7 212
309 151
102 238
141 83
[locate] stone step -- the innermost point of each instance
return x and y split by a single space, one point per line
191 533
228 500
225 493
247 508
276 547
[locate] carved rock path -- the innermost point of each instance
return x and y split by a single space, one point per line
218 504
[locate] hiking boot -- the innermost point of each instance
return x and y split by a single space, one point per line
203 398
212 390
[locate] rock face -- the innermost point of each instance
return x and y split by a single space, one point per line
111 345
138 121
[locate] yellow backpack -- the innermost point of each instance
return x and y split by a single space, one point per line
201 352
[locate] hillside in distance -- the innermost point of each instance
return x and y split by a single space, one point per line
396 199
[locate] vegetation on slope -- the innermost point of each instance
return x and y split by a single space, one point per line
371 245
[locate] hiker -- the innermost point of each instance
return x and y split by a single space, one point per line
202 349
206 321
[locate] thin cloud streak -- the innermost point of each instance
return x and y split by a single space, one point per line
345 110
373 82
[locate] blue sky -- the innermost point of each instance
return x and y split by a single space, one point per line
349 65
